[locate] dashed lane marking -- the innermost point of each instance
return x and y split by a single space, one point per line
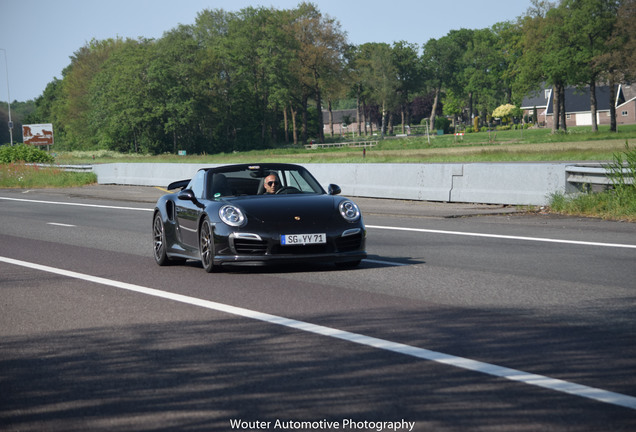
60 224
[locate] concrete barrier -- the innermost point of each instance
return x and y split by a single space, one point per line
491 183
425 182
145 174
506 183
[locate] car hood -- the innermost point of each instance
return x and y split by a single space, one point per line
282 210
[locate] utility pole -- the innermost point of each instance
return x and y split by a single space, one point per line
6 66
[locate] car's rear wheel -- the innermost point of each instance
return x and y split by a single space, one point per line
206 246
159 241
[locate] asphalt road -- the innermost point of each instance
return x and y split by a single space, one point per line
464 318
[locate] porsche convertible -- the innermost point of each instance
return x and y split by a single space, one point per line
256 215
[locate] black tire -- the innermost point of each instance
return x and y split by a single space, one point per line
206 246
159 241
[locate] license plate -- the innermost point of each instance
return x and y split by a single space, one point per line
302 239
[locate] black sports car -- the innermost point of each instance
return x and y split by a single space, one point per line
256 215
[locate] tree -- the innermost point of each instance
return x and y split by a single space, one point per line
506 112
73 106
409 76
547 55
487 60
590 23
123 116
377 75
440 60
618 60
216 84
255 62
320 57
172 86
381 79
44 104
242 80
357 62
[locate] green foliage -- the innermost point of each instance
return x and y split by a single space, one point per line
622 173
442 123
222 84
256 78
24 153
378 75
605 205
19 175
505 110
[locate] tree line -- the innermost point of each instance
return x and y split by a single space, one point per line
261 77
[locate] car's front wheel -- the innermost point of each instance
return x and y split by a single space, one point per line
206 246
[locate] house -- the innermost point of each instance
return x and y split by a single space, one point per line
343 121
626 104
577 105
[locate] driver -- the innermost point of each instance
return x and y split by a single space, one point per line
271 184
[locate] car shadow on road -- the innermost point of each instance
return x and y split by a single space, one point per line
377 261
371 262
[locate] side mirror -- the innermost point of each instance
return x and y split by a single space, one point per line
186 195
334 189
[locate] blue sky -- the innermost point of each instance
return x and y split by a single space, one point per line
39 36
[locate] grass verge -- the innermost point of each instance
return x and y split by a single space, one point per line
20 175
604 205
617 203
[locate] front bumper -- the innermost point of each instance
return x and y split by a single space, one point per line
251 249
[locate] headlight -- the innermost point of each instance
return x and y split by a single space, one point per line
349 211
233 216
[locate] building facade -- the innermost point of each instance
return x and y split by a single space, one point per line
578 108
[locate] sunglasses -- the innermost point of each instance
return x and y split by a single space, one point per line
272 183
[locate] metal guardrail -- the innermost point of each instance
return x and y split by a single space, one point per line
591 177
364 144
71 168
76 168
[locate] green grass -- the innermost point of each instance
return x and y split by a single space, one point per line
604 205
19 175
579 144
384 152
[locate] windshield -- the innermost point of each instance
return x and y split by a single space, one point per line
260 180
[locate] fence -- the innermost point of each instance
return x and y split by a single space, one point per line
342 144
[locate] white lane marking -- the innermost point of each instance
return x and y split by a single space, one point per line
76 204
60 224
420 230
558 385
501 236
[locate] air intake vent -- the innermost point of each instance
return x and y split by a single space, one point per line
349 243
248 244
250 247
